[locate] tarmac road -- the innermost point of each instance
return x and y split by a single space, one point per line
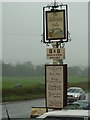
22 109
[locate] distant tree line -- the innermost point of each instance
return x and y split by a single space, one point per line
28 69
77 71
24 70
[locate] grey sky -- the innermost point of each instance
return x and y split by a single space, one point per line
22 29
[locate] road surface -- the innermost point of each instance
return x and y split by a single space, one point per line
23 109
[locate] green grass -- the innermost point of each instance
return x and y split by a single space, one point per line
23 93
10 82
77 79
32 87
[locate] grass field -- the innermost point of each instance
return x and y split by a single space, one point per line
77 79
10 82
32 87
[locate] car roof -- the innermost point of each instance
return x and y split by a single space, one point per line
64 113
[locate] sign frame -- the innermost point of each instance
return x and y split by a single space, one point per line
55 26
51 8
64 95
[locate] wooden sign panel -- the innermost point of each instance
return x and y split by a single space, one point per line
56 86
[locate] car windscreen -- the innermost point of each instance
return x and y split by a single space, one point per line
87 107
73 90
72 106
65 118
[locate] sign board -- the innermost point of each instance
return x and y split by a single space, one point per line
56 86
55 53
55 25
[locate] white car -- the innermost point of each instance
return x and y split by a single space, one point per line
66 115
75 93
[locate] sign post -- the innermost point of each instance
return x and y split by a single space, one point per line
55 32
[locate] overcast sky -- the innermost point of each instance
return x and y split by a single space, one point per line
22 29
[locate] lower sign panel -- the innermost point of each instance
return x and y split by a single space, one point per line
56 86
